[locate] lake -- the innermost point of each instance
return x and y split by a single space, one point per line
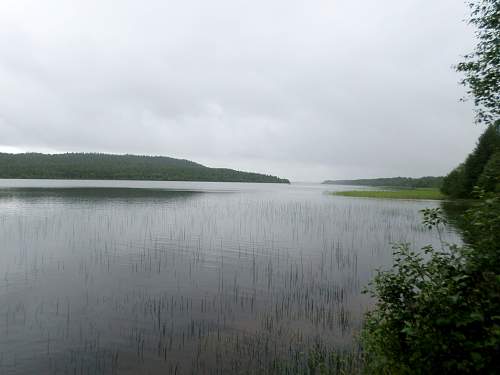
137 277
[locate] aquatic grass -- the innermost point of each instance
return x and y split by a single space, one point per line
202 283
432 194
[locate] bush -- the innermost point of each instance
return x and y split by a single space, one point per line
438 311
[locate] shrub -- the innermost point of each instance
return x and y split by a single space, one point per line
438 311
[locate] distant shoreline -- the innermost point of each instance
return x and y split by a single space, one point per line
410 194
396 182
133 179
95 166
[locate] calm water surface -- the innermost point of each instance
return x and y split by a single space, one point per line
134 277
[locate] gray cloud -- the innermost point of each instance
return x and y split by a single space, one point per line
307 90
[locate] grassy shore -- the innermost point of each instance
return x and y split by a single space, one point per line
394 194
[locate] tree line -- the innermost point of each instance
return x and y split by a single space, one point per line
119 167
406 182
480 169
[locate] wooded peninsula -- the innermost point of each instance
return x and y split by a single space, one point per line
97 166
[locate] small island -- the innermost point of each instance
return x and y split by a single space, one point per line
97 166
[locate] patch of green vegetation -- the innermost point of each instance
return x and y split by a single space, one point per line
393 194
397 182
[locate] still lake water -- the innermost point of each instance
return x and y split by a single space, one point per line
135 277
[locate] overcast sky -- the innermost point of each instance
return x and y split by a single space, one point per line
308 90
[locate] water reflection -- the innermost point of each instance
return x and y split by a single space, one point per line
77 194
153 281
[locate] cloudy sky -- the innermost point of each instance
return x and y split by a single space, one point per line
307 90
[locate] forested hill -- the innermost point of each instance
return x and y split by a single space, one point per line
422 182
87 166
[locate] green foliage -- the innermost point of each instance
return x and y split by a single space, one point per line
482 233
118 167
488 144
438 311
482 67
482 76
460 182
433 218
490 178
454 183
393 194
407 182
320 360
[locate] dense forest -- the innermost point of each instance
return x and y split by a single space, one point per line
422 182
481 168
88 166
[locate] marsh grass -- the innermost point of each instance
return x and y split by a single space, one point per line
394 194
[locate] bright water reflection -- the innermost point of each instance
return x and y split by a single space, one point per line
103 277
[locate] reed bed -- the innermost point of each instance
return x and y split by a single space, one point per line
242 283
